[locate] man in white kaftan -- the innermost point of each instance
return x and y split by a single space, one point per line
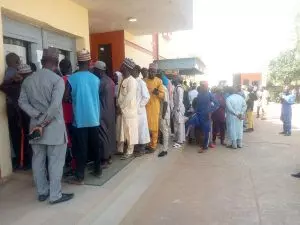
179 110
235 111
143 97
127 120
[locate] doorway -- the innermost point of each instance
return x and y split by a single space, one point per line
105 55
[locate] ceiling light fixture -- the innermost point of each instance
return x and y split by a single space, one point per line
132 19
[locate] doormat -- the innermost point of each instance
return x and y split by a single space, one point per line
116 166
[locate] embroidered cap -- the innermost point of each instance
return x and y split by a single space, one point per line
153 67
129 63
24 69
50 53
83 55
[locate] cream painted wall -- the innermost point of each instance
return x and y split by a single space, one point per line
144 41
64 17
139 57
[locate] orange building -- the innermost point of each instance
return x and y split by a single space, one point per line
247 79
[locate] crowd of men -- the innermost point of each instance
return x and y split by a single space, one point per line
65 119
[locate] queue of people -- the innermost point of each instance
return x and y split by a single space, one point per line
66 119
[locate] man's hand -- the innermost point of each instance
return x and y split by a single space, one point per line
17 78
118 110
155 91
38 128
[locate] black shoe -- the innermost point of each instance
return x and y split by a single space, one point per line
239 146
282 132
162 154
63 198
149 150
288 134
43 198
96 174
297 175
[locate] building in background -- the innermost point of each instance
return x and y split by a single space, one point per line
116 30
247 79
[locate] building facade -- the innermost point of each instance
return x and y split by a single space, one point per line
28 26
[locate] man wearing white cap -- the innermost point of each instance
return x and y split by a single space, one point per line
107 131
127 120
82 90
41 98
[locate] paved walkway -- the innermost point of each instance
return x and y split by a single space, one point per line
251 186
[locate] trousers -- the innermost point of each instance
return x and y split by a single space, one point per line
249 117
219 127
179 129
164 128
154 138
85 139
56 159
130 148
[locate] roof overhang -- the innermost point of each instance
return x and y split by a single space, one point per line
152 16
185 66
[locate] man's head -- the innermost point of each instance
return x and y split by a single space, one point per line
12 60
144 72
99 68
185 83
83 58
24 70
127 67
250 88
194 86
32 66
286 89
177 80
153 68
50 58
203 86
65 67
136 71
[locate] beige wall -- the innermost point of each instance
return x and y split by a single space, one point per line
64 17
144 41
141 58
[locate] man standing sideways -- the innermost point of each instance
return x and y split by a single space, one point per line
127 120
107 131
235 111
82 90
157 93
41 98
142 100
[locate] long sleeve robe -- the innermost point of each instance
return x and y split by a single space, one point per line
143 97
127 122
107 130
235 105
153 106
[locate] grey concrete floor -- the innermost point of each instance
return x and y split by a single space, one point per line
251 186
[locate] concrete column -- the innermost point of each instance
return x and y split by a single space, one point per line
5 152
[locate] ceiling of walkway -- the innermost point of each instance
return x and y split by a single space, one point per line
152 16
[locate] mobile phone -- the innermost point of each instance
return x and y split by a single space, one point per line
34 135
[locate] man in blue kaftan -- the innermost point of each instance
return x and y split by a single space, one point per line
235 111
205 105
287 100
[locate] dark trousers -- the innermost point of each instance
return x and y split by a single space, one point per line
219 127
85 139
18 122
